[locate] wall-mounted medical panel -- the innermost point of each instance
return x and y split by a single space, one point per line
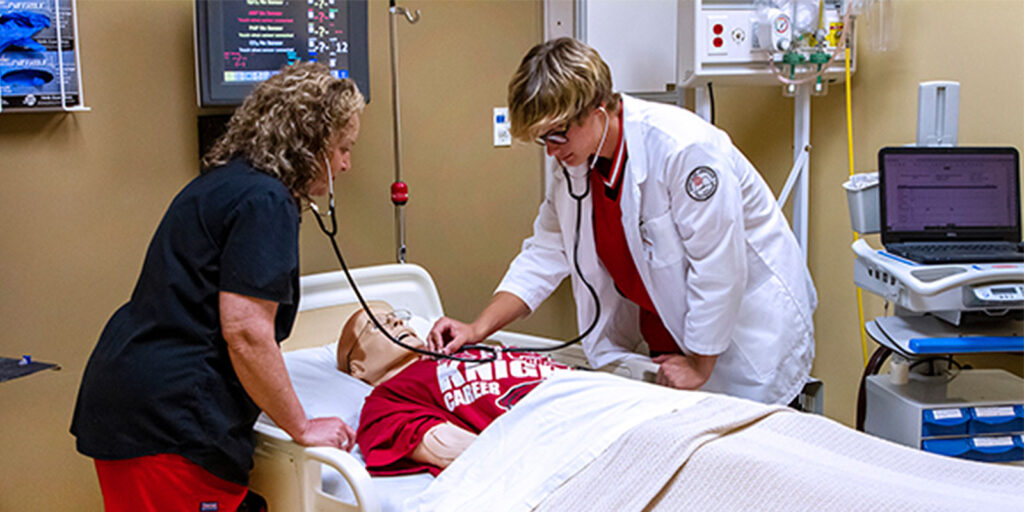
739 42
40 68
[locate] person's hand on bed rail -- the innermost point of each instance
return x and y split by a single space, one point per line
328 431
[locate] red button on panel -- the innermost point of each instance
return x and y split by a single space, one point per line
718 28
718 42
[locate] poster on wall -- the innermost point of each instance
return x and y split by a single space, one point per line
38 55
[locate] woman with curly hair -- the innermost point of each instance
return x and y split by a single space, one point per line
180 373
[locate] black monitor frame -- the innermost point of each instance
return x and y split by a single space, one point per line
988 233
209 23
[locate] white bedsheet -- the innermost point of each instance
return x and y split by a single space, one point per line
498 473
597 442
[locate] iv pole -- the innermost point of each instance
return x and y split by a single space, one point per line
399 190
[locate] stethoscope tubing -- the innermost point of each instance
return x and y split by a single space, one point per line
348 275
494 351
332 236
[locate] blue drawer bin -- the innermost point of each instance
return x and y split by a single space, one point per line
996 420
983 449
945 422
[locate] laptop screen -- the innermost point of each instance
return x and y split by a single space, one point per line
958 193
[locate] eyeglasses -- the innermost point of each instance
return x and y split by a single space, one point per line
554 137
396 318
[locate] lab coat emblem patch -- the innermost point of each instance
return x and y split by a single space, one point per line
702 183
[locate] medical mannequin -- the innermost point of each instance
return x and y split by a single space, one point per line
424 412
771 454
676 233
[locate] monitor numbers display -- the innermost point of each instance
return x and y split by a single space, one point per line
243 42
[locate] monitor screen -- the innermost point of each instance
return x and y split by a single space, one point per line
950 189
240 43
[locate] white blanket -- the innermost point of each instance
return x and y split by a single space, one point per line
548 437
590 441
782 462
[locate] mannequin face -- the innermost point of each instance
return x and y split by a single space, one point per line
366 353
583 139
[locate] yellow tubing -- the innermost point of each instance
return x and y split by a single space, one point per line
849 151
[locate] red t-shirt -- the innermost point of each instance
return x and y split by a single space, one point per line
399 411
612 250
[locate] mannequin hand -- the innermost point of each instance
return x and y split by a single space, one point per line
449 335
329 431
684 372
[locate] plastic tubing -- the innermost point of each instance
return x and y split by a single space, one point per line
824 67
849 152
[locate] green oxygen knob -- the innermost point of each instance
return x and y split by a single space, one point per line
819 58
793 58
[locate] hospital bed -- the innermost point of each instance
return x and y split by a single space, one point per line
296 478
723 453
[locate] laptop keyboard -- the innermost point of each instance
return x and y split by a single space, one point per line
953 252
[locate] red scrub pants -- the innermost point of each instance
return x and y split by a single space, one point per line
165 482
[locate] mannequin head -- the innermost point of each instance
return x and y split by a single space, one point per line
367 354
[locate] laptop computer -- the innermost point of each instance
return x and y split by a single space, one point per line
951 204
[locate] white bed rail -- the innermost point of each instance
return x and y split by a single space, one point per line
288 475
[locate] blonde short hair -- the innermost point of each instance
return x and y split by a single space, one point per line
557 83
286 126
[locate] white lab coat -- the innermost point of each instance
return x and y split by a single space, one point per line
725 273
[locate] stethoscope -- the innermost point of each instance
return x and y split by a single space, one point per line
493 351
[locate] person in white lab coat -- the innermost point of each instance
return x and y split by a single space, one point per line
679 235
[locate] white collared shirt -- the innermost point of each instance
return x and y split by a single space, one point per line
719 261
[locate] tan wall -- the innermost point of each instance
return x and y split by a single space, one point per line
81 194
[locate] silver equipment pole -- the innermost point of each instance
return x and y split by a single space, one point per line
399 190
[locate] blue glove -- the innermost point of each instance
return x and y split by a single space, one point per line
27 78
18 28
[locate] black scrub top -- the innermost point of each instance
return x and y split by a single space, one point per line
160 379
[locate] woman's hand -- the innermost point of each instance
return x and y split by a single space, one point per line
684 372
328 431
247 324
449 335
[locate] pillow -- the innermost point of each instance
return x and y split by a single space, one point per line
322 389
